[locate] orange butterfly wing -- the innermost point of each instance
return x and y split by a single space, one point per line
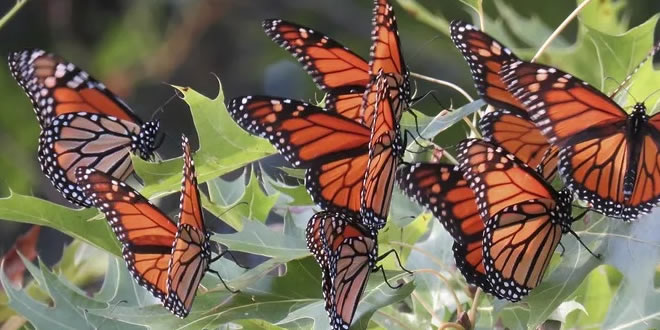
58 87
518 246
333 148
515 132
337 71
145 232
347 254
385 152
386 57
500 177
191 251
82 122
525 216
485 56
442 189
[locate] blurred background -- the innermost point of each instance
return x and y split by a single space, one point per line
138 47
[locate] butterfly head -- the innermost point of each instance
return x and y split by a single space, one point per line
639 108
147 140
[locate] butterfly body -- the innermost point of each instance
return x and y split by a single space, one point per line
608 157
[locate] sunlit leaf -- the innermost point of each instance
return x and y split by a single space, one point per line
224 147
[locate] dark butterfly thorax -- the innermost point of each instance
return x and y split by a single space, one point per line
564 209
636 127
145 143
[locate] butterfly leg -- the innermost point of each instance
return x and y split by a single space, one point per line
398 260
223 281
231 255
597 256
382 270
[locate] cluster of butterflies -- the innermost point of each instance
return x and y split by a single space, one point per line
87 135
498 203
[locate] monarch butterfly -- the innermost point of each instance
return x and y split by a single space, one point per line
82 122
347 253
509 125
334 145
524 216
607 157
166 259
385 152
442 189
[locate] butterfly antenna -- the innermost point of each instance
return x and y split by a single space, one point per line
221 280
422 47
161 108
650 55
398 260
231 208
648 97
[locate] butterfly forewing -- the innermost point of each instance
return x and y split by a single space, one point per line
146 234
332 148
485 56
498 179
191 253
442 189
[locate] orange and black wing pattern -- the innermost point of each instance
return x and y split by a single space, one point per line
485 56
348 254
89 140
515 132
441 189
191 251
386 58
498 178
525 217
385 153
339 72
146 234
57 87
601 146
82 122
333 148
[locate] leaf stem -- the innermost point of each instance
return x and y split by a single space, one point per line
428 308
423 15
459 309
19 4
450 325
472 314
560 28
